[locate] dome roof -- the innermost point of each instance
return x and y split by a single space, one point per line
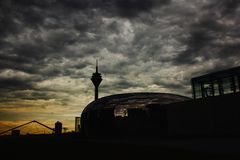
134 100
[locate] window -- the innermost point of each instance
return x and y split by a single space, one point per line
120 111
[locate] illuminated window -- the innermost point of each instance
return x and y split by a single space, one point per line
120 112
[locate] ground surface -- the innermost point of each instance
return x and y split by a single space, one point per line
77 147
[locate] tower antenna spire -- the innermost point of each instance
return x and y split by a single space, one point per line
96 65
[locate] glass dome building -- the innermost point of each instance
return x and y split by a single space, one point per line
130 114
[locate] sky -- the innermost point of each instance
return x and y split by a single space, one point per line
48 50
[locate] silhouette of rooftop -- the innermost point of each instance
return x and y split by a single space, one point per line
218 74
135 100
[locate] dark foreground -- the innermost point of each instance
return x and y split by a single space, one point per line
77 147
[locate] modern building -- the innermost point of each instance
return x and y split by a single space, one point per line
124 114
217 83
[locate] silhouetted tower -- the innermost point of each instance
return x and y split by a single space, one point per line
96 80
58 128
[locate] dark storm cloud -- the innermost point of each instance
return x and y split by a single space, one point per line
130 8
169 85
8 25
11 96
19 15
35 95
124 8
19 63
11 80
211 28
120 85
25 57
225 7
13 84
31 10
124 84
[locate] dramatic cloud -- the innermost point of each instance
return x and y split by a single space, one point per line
213 35
48 50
